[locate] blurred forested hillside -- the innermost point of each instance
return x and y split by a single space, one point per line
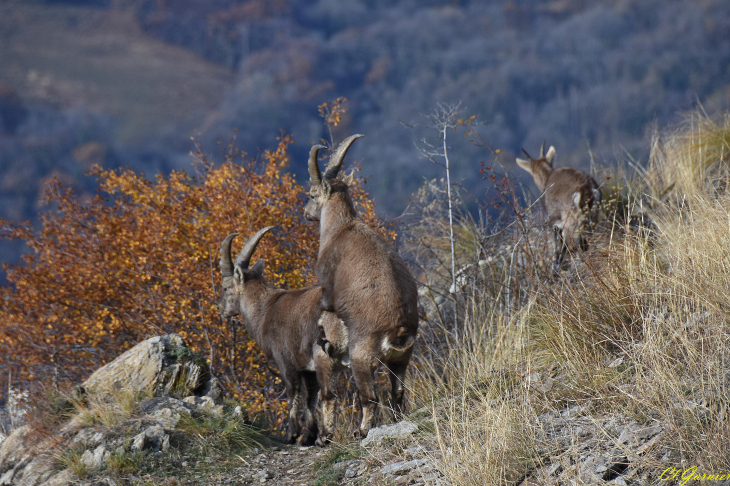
129 81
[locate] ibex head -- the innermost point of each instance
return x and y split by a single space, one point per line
324 185
238 278
541 167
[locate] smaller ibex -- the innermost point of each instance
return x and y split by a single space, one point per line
365 282
569 195
286 326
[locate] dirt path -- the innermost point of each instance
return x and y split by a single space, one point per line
285 465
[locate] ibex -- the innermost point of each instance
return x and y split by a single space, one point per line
569 195
365 282
285 325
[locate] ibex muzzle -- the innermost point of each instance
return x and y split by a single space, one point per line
569 196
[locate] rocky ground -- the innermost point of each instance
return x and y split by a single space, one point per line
202 439
154 416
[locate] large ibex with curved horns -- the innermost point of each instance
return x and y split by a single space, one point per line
365 282
286 326
569 195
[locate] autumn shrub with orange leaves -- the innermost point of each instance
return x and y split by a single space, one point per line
141 259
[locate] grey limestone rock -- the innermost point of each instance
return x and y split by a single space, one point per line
153 437
399 430
162 365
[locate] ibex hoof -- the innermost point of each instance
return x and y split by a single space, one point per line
291 438
308 440
323 441
328 348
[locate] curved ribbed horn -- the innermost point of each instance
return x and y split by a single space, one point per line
244 257
528 155
542 149
314 174
335 163
226 263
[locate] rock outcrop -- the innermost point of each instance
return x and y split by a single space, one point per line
162 365
166 381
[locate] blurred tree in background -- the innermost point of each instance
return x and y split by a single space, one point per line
140 258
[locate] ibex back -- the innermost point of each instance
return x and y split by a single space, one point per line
569 196
365 282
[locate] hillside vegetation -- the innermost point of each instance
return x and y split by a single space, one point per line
621 362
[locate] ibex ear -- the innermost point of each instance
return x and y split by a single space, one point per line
238 274
326 188
550 155
349 179
525 164
258 268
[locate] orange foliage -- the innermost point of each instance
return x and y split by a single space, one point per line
332 111
141 259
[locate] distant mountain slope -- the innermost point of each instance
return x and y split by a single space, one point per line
81 85
73 56
578 73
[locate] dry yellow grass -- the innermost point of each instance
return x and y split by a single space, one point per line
656 303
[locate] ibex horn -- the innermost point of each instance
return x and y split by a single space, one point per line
542 149
244 257
314 174
335 163
528 155
226 263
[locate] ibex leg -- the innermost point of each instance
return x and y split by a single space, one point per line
363 371
397 389
326 376
293 402
560 248
309 435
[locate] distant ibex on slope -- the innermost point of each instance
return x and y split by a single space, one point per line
286 326
569 195
365 282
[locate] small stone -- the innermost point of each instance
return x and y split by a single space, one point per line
400 430
153 437
399 468
213 390
167 418
351 464
616 362
647 432
205 404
